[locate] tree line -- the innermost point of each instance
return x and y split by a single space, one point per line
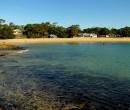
44 30
7 30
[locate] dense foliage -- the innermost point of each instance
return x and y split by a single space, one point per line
73 30
122 32
6 31
44 30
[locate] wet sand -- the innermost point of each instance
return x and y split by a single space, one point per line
62 40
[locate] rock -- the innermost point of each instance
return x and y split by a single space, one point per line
4 49
10 47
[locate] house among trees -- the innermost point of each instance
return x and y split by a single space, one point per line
52 36
17 31
87 35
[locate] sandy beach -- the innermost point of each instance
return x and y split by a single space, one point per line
62 40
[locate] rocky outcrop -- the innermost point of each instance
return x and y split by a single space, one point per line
10 47
4 49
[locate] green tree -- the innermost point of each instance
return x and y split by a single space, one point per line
2 21
12 25
52 29
34 30
6 32
61 32
125 32
115 32
87 30
73 30
45 27
104 31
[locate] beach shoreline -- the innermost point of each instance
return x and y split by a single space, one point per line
62 40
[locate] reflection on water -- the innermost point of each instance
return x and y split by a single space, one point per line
65 77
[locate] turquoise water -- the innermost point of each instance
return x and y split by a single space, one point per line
75 75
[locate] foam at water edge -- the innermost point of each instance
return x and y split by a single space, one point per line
22 51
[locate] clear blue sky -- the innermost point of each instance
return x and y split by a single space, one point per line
86 13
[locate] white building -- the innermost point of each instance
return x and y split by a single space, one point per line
87 35
52 36
17 31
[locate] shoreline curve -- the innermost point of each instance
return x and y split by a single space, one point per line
61 40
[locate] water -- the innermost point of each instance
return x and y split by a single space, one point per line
64 76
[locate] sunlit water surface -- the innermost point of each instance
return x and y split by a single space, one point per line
66 76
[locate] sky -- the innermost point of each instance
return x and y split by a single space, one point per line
86 13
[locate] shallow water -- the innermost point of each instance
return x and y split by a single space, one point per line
65 76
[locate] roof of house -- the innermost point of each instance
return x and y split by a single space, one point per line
53 36
17 30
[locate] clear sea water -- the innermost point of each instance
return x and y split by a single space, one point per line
66 76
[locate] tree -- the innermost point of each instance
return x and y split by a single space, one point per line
12 25
87 30
104 31
2 21
46 26
125 32
28 31
6 32
34 31
21 27
61 32
52 29
115 32
73 30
